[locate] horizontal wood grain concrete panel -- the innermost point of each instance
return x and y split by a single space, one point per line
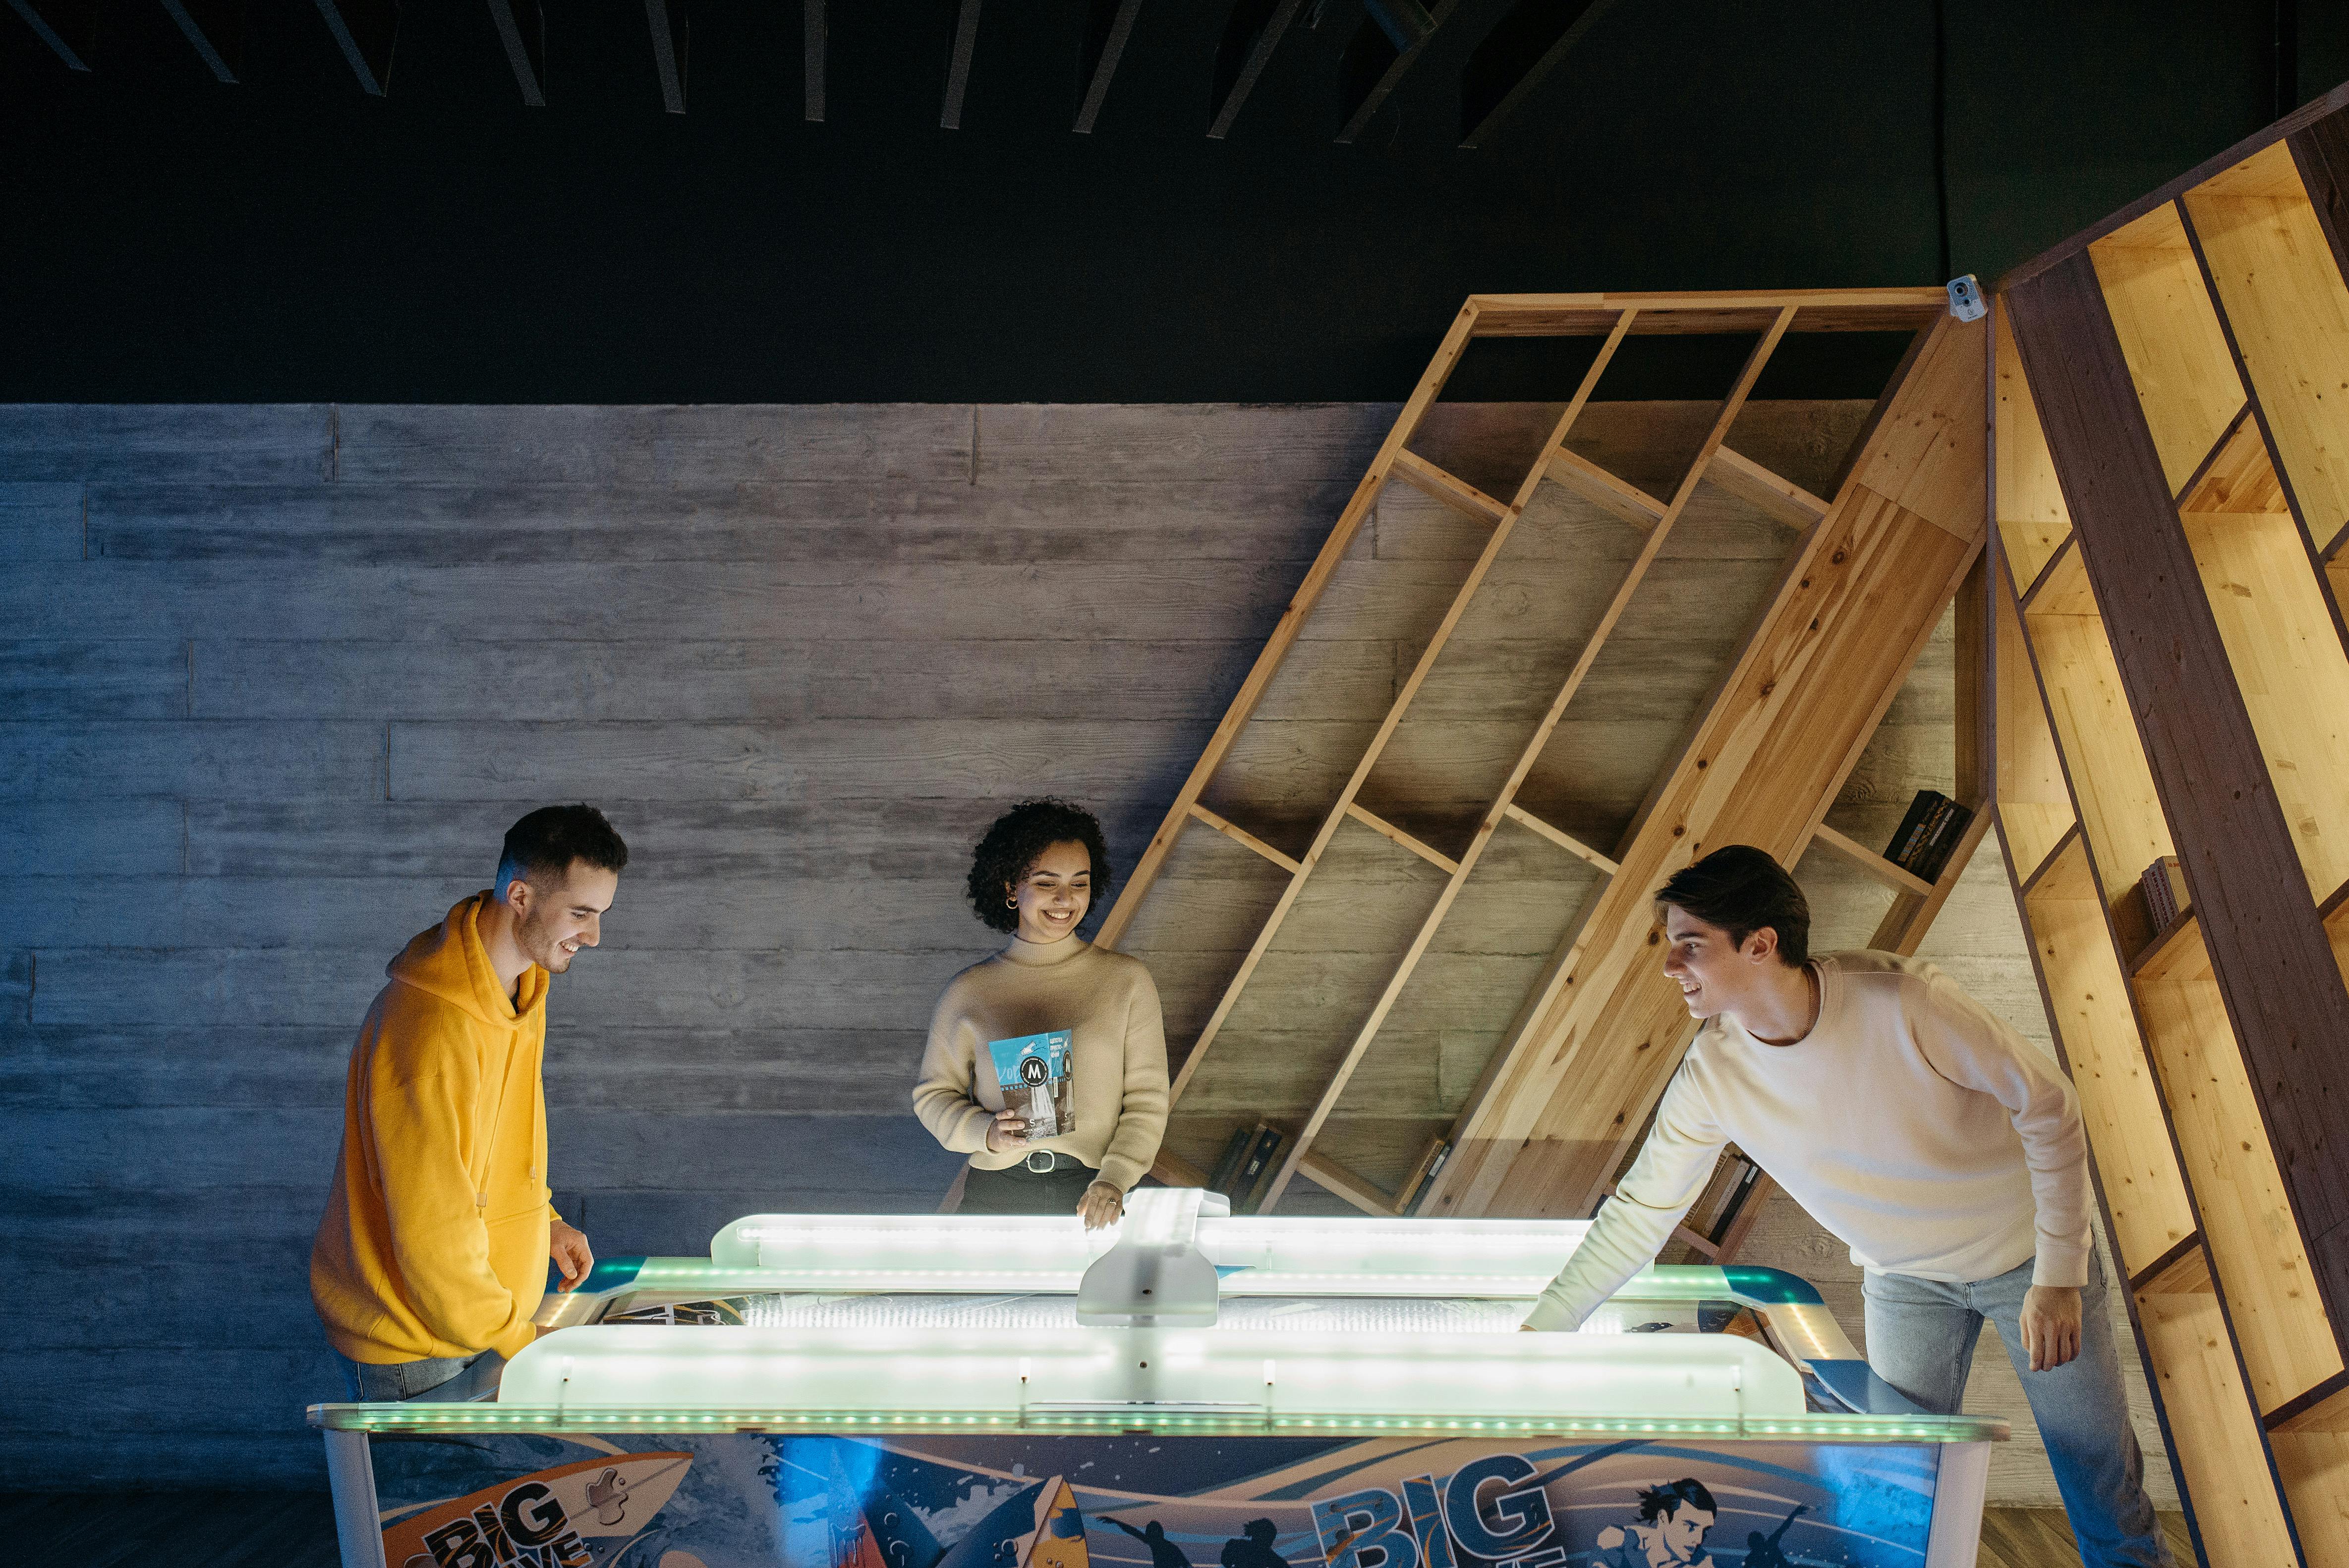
69 678
1178 442
645 678
40 521
662 444
861 521
819 758
168 443
207 758
875 834
69 837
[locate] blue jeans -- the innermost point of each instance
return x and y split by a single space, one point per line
1921 1339
446 1379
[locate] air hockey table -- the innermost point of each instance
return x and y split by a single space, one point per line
1193 1389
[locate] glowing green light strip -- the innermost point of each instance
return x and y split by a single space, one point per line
488 1417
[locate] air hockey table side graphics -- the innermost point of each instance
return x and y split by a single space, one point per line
1422 1405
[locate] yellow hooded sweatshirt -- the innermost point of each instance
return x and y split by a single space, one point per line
435 1237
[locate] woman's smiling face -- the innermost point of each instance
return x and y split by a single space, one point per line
1055 893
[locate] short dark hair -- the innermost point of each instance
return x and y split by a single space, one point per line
1018 840
549 838
1659 1500
1741 890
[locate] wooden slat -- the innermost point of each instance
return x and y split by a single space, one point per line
521 29
1538 70
1449 489
365 30
1783 499
966 44
1334 1178
672 28
2183 1269
2282 989
2286 308
1116 27
1409 54
1602 489
216 30
1819 310
1240 835
1490 821
1560 837
2213 1430
1802 701
2237 475
1284 635
2032 522
67 27
1870 862
815 33
1260 56
1388 830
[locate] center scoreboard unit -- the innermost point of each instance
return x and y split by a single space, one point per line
1192 1389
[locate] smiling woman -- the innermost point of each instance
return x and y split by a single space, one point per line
1046 1063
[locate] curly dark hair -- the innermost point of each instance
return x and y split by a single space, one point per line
1018 839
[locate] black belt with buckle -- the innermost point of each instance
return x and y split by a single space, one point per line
1044 1162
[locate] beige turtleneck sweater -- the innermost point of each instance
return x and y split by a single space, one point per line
1117 1059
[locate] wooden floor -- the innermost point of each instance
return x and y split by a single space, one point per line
297 1530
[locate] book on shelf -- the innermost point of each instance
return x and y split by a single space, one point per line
1255 1146
2166 899
1929 834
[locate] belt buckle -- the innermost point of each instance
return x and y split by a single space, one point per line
1047 1156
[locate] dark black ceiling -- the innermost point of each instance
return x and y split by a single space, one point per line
169 237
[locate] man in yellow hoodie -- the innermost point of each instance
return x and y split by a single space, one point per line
431 1258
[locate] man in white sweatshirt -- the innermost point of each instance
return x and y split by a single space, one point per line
1939 1145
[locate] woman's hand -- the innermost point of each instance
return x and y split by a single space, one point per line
1104 1204
1008 1132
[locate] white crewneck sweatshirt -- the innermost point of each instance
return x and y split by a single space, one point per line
1923 1132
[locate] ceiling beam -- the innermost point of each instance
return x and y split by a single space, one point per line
672 32
818 34
1407 27
69 27
216 28
965 39
1249 38
365 30
521 29
1108 25
1532 75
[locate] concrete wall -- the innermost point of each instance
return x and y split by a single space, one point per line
274 680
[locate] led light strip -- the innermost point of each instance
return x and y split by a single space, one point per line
1138 1419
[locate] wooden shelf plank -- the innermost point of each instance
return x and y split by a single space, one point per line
2120 1103
2237 475
1386 830
1558 836
2182 1270
1360 1190
1728 311
2028 498
1784 500
1284 635
2172 955
2169 338
1869 862
2047 871
2063 588
1448 487
2214 1430
1604 490
1240 835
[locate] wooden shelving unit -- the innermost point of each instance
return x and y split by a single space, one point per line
2171 500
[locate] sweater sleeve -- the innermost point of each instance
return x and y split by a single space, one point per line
1669 1174
1973 1048
942 1087
439 1236
1142 1113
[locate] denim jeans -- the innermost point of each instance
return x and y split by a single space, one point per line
445 1380
1921 1339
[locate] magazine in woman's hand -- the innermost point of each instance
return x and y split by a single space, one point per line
1033 1073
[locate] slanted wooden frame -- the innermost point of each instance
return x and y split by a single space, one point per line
1916 467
